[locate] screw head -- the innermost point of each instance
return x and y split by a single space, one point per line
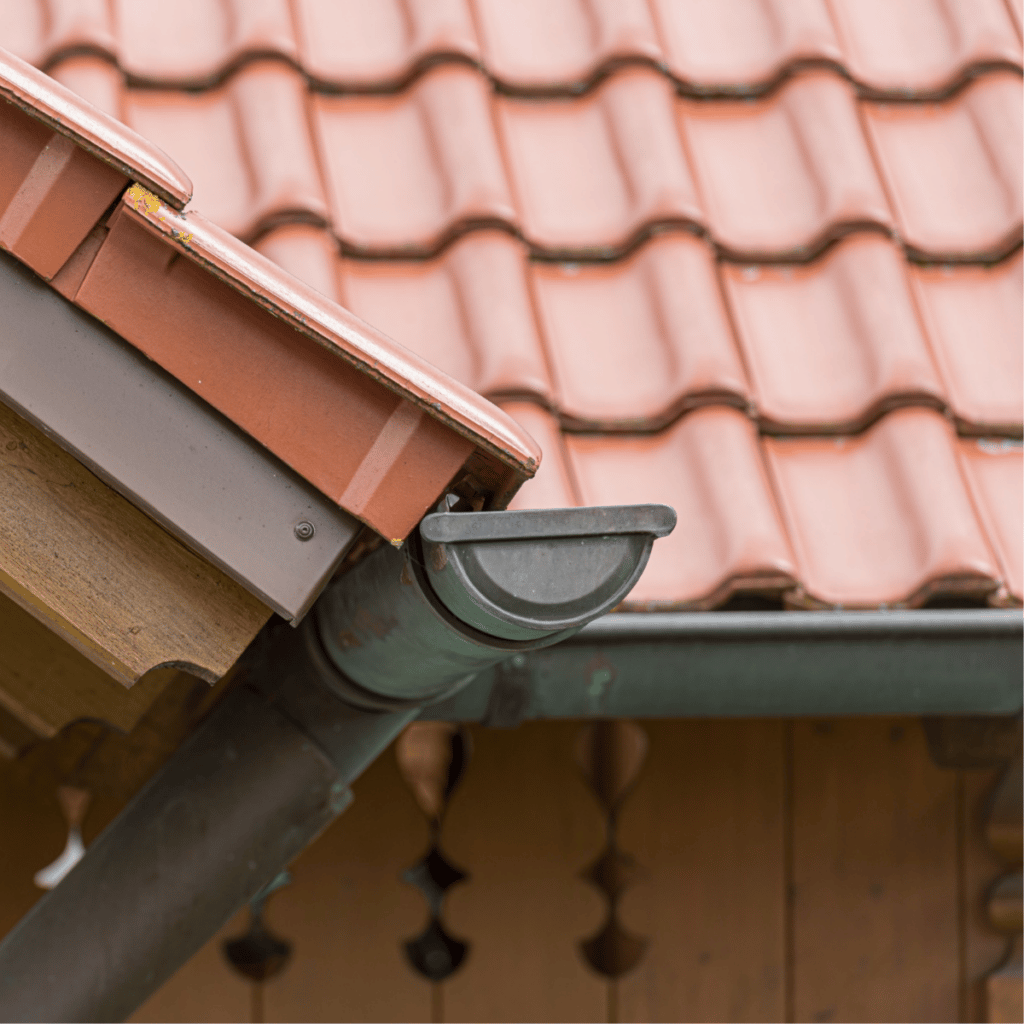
304 530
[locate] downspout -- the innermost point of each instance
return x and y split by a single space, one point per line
270 768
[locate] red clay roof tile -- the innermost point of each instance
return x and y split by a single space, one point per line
973 317
709 468
467 312
739 46
635 343
405 173
922 46
247 142
995 472
953 170
608 135
787 174
593 175
351 44
203 40
532 44
832 344
40 33
884 518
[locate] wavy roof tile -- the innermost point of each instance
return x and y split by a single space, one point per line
759 259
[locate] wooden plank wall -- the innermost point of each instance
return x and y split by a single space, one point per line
807 870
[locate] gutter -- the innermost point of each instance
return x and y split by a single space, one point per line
759 664
270 767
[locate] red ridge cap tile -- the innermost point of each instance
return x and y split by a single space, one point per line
203 39
247 143
635 343
884 518
710 469
786 174
94 131
404 173
357 45
543 44
832 344
973 316
306 252
995 473
954 169
337 330
96 80
741 46
467 312
923 46
591 175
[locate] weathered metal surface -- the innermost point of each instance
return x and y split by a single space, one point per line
392 634
747 664
523 575
164 449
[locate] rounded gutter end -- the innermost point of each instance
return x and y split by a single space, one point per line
527 575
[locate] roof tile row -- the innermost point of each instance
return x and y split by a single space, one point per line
776 178
915 47
823 347
900 515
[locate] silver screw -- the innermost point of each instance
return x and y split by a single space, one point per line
304 530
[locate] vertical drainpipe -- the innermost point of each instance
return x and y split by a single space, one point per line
271 766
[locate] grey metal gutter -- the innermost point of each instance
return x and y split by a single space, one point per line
162 447
748 664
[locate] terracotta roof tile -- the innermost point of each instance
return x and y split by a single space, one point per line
785 174
740 195
352 44
203 40
467 312
553 486
995 472
534 44
39 33
635 343
407 172
884 518
739 46
594 174
832 344
954 169
973 315
922 46
248 144
709 468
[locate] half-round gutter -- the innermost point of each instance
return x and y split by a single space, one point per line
270 768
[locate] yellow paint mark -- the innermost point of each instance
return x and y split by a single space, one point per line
145 202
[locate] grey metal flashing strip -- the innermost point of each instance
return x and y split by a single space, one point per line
162 447
759 664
